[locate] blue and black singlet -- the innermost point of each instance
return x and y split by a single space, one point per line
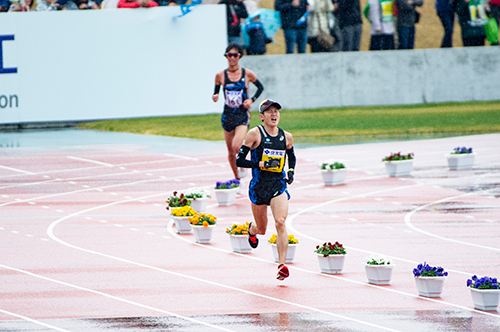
235 93
268 182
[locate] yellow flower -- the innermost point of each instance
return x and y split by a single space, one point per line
205 224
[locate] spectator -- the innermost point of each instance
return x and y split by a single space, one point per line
495 10
4 5
447 17
472 34
15 7
350 23
44 5
258 38
28 5
317 23
109 4
136 4
406 22
382 25
236 13
290 12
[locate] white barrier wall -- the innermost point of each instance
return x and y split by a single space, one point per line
379 78
79 65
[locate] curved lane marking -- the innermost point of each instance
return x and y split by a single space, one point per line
409 223
50 232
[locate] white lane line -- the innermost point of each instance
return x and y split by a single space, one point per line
113 297
50 232
411 213
16 170
180 156
90 161
171 231
296 232
34 321
18 200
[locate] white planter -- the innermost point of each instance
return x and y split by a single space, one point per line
199 204
226 197
333 177
240 244
182 225
485 299
399 167
290 253
332 264
460 161
379 274
430 286
203 234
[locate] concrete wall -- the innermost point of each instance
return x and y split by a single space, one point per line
379 78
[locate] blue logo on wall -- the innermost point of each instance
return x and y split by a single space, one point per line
2 69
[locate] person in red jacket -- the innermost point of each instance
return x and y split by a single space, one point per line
136 3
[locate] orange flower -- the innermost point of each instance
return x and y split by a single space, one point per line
205 224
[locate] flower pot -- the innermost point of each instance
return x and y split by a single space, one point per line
379 274
203 234
331 264
182 225
290 253
430 286
240 244
460 161
485 299
226 197
333 177
399 167
199 204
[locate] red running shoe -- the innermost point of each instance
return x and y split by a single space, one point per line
252 239
282 272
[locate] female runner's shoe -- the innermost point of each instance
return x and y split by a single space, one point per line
282 272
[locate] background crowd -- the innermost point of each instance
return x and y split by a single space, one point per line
326 25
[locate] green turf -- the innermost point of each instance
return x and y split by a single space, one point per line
325 123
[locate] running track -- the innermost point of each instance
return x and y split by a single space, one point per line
87 245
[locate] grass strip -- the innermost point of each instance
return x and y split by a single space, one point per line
464 118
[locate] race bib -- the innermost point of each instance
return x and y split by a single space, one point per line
269 154
234 98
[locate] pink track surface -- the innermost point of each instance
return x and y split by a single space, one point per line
87 245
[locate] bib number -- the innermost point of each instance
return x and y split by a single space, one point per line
234 98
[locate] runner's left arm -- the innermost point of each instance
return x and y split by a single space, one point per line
291 157
291 164
260 88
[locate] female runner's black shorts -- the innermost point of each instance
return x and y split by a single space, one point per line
231 119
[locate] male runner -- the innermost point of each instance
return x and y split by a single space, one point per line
269 147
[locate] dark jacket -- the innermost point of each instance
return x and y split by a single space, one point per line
258 39
349 13
406 12
289 14
443 6
234 11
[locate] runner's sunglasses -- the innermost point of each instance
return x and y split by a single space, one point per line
232 55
